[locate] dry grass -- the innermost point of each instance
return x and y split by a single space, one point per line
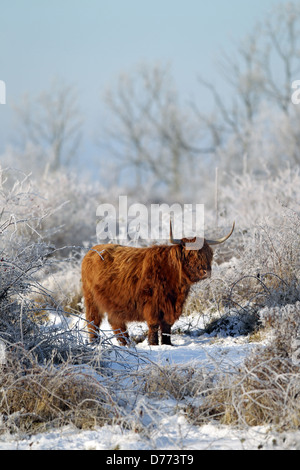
266 390
35 396
177 382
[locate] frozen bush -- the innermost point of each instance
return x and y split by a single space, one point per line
57 208
75 221
24 257
63 283
265 390
262 266
284 322
252 199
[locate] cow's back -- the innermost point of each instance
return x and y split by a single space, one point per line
112 275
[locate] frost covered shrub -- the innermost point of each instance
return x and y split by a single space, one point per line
63 284
74 221
22 208
34 391
267 273
263 256
264 392
273 256
253 198
24 259
61 206
265 389
284 322
20 256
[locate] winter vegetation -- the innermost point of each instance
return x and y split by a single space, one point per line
235 367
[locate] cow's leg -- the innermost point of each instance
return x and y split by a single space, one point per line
120 330
93 316
152 318
153 334
165 333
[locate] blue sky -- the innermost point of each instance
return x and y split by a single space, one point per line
87 43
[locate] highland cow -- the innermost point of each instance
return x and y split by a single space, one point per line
142 284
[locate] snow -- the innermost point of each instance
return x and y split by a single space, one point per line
172 431
180 437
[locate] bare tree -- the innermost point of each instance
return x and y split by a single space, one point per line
52 122
282 31
259 74
152 133
148 129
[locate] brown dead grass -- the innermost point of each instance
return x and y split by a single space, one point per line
266 391
34 396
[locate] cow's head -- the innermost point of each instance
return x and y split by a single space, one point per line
196 255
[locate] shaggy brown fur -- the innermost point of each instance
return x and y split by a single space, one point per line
141 284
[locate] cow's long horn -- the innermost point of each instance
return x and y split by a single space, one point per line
174 241
220 240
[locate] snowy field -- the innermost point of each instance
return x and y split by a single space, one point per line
257 273
238 157
181 437
171 430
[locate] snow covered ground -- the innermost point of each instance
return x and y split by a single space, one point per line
181 436
172 431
